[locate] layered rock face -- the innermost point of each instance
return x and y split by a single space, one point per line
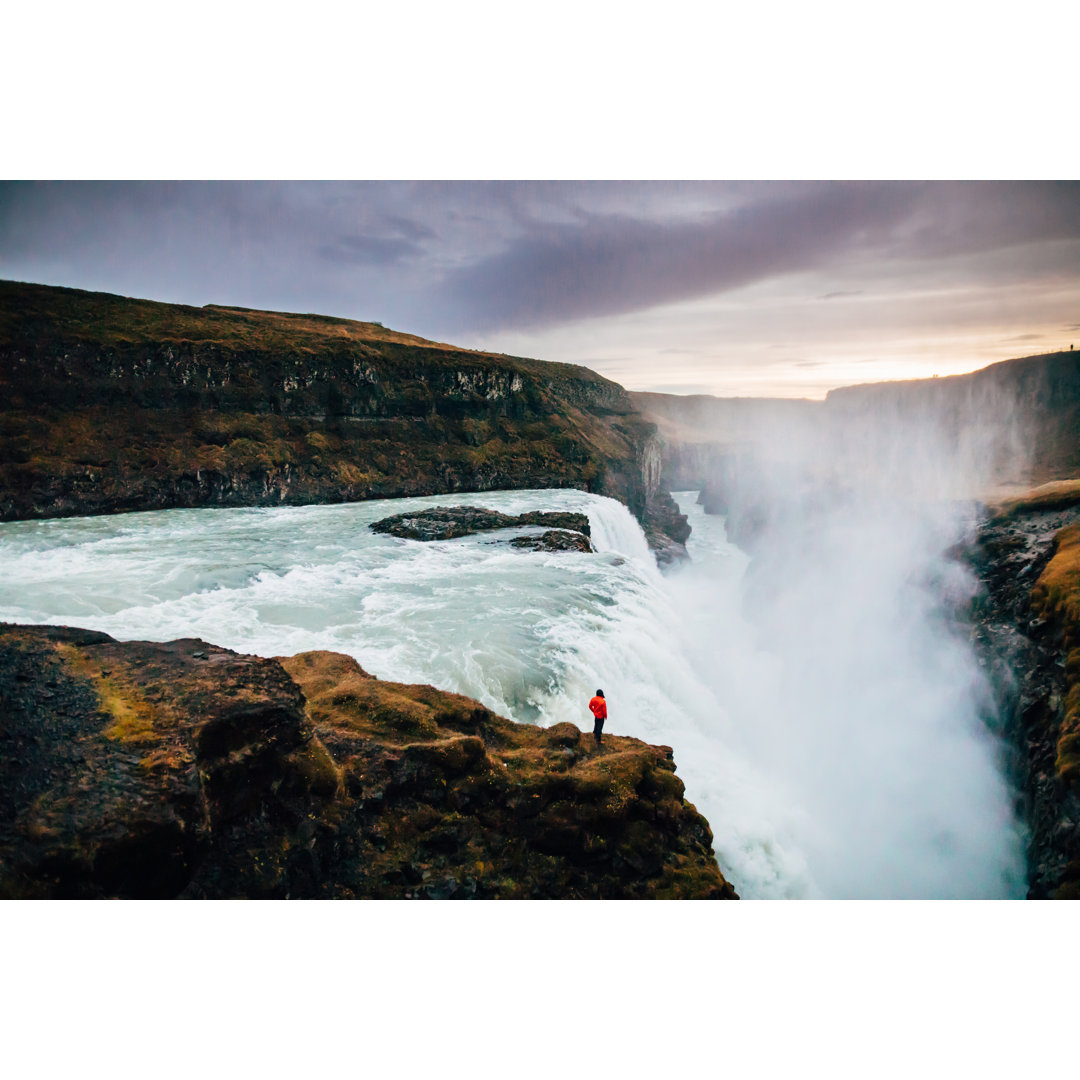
1019 417
109 404
1028 631
666 529
185 770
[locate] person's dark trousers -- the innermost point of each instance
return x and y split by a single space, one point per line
598 727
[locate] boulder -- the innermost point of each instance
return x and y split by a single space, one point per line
554 540
449 522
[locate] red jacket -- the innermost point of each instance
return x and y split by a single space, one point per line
599 708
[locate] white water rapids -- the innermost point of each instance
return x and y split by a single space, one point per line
829 726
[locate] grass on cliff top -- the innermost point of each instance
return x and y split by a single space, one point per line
341 694
1056 597
588 812
1056 495
131 717
109 319
51 316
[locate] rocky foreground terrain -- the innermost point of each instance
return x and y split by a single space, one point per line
181 769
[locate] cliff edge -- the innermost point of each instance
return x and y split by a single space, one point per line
1027 628
111 404
183 770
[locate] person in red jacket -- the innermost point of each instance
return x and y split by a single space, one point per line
598 707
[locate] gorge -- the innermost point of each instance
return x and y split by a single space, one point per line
109 404
836 668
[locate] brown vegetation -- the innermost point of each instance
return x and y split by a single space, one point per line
110 404
518 810
184 770
1056 598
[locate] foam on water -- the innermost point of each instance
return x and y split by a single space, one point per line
530 634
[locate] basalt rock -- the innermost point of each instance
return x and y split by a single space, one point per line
448 522
554 540
110 404
1027 651
150 770
666 527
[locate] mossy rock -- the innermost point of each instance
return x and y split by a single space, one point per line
182 769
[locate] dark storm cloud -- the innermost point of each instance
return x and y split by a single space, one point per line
607 264
969 218
210 218
369 250
387 242
340 248
441 258
411 230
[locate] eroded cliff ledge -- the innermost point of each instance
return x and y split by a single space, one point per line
181 769
109 404
1027 627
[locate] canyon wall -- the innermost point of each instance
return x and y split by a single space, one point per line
109 404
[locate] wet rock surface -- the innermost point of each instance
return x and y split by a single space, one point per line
666 529
1025 655
554 540
149 770
449 522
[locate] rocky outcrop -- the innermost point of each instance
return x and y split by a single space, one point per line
447 522
1029 648
151 770
554 540
109 404
666 528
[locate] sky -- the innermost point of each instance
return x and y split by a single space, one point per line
735 289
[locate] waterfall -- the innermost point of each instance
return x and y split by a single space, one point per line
816 781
